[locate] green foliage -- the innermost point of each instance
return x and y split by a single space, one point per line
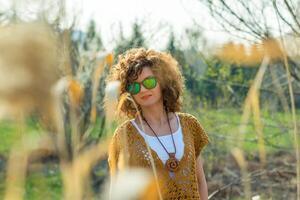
93 40
225 84
211 82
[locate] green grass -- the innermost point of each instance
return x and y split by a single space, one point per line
44 182
46 186
222 127
11 133
2 185
39 185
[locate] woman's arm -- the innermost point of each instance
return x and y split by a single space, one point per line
201 179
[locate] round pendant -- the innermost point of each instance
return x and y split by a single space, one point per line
172 164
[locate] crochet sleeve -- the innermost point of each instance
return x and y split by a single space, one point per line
113 154
200 136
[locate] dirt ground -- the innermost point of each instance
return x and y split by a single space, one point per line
276 180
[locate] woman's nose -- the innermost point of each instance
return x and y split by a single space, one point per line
143 88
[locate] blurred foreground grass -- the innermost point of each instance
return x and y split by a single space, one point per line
44 179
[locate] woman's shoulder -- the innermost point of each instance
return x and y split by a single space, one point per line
190 120
195 126
186 116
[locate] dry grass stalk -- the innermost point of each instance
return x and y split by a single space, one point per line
97 73
76 174
154 170
252 104
239 157
295 125
294 118
18 164
28 67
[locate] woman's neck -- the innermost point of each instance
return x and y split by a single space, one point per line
155 114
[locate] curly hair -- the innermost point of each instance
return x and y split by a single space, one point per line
165 68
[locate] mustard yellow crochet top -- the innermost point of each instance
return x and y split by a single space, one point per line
183 184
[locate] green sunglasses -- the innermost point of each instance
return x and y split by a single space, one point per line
135 87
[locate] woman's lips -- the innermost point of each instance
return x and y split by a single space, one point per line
146 96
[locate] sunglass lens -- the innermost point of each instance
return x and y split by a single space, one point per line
150 82
134 88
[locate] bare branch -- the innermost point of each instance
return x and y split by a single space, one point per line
284 19
234 14
292 13
224 21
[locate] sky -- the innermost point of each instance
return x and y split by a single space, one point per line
157 17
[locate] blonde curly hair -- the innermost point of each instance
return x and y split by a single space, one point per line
165 68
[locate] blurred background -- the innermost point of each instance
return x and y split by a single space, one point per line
240 60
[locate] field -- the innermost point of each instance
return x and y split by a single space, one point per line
275 181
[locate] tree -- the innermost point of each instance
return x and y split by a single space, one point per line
136 40
93 40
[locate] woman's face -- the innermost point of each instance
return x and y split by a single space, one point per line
147 97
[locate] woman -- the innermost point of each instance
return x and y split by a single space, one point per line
151 98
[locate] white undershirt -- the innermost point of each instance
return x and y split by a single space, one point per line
167 142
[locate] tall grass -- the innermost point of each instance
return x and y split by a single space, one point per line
45 93
272 50
37 78
30 51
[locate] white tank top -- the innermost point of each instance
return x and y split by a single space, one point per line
167 142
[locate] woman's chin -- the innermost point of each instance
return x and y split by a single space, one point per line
148 103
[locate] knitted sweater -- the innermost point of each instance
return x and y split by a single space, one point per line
183 184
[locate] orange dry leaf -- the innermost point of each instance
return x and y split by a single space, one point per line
256 54
150 192
272 49
253 55
109 59
75 91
